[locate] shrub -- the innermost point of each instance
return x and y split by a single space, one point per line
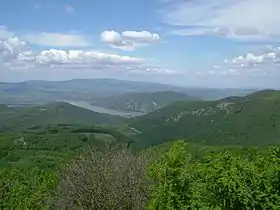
105 179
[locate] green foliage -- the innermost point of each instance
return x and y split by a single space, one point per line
253 120
28 155
55 113
226 179
233 182
205 174
171 190
48 146
26 189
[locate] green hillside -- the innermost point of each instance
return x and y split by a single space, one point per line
250 120
143 102
43 136
46 146
60 156
56 113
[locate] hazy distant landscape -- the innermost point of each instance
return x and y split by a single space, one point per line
116 96
140 105
45 125
86 105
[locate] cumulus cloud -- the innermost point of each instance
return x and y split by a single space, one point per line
10 45
268 58
57 39
60 57
115 40
238 19
251 65
128 40
15 54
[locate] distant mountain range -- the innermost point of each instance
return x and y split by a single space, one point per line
97 90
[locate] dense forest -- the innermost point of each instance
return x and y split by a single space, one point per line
98 161
168 177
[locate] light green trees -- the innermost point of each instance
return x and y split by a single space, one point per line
116 179
171 177
219 180
26 188
234 181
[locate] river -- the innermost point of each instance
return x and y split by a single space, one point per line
85 105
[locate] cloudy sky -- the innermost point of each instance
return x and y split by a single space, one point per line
213 43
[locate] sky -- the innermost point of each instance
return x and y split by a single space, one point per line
213 43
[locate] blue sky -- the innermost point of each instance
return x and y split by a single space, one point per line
213 43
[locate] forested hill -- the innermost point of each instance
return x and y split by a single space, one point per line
143 102
47 162
55 113
249 120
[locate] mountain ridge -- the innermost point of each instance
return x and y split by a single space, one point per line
54 113
243 121
144 102
42 92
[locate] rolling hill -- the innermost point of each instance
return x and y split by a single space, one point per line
43 136
250 120
143 102
45 146
55 113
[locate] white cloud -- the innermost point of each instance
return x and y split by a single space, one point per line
115 40
16 55
240 34
267 58
60 57
57 39
128 40
10 45
239 19
69 9
251 65
142 36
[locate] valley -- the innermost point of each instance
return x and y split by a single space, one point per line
104 110
140 105
74 139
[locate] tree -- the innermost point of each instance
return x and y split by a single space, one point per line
172 180
235 182
26 188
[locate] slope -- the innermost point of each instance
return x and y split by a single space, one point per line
250 120
143 102
55 113
45 146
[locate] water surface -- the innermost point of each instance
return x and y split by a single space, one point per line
99 109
